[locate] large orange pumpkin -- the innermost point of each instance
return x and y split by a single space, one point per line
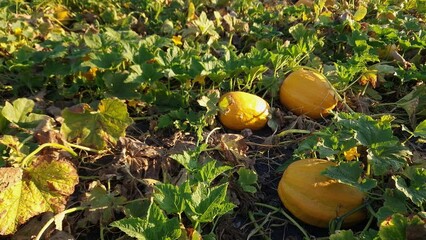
316 199
240 110
305 92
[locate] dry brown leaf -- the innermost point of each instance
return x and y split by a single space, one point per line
235 148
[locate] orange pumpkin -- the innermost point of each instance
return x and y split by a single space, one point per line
316 199
240 110
305 92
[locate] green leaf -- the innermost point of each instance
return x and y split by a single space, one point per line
92 41
133 227
246 179
172 198
188 159
121 85
416 189
207 203
210 170
394 202
154 226
20 113
96 128
102 201
343 235
420 130
3 122
350 173
25 193
385 151
388 157
167 230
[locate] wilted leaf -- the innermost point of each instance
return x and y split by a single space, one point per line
25 193
397 226
414 103
369 77
96 128
234 147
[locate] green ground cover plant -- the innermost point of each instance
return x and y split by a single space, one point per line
109 129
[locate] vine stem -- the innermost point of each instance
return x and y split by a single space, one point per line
295 223
47 224
290 131
86 148
27 160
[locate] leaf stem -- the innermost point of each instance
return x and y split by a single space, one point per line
86 148
27 160
47 224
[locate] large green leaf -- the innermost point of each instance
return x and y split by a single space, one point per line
207 203
96 128
172 198
20 113
25 193
416 188
154 226
350 173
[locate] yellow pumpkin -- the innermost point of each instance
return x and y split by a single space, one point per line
316 199
305 92
240 110
62 14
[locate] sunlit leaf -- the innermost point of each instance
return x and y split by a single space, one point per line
207 203
420 130
21 113
397 226
25 193
172 198
360 13
96 128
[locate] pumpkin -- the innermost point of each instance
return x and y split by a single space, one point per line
316 199
62 14
240 110
305 92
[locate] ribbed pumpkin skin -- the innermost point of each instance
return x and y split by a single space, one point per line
240 110
316 199
307 92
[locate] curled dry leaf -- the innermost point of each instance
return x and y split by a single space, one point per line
235 148
144 160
